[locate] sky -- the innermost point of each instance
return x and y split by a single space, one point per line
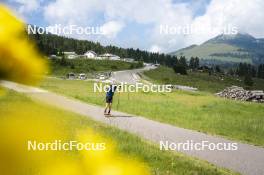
154 25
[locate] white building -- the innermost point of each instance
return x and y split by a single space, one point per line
109 56
130 60
70 55
90 54
53 57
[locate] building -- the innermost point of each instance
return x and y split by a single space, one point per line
130 60
90 54
53 57
70 55
109 56
70 76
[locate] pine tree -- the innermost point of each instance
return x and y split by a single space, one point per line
192 63
248 81
261 71
179 68
183 61
217 69
63 61
196 62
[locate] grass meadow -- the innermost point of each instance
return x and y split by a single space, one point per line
128 145
200 111
88 66
202 81
207 49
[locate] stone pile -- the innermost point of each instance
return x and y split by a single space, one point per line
238 93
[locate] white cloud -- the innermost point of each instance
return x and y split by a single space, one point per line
70 12
27 6
112 28
246 15
155 49
241 15
154 13
118 12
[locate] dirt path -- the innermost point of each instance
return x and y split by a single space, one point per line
247 159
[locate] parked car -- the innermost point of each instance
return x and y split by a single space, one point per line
82 76
70 76
102 77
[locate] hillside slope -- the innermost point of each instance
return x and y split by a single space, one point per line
227 48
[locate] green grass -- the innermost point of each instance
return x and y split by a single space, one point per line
206 50
199 111
89 66
202 81
160 162
231 59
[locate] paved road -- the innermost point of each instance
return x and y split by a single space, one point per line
132 77
247 159
129 76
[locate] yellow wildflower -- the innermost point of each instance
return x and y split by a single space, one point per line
19 61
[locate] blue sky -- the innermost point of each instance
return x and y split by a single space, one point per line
137 23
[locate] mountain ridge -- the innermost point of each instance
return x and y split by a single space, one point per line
227 48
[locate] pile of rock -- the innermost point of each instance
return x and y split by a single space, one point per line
238 93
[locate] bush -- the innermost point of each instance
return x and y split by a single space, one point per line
114 67
179 68
248 81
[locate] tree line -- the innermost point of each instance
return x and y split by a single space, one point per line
50 44
244 69
181 65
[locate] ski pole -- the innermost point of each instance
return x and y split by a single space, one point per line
118 100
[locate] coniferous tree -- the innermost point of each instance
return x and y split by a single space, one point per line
192 63
248 81
246 69
63 61
183 62
179 68
218 69
261 71
196 62
51 44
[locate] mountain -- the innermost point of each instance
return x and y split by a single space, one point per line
227 48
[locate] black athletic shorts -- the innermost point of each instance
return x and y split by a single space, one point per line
109 99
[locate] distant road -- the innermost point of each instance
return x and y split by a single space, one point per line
129 76
132 77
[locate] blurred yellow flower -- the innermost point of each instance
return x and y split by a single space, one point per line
2 92
23 121
19 124
19 61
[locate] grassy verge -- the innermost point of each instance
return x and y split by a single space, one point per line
202 81
131 146
89 66
198 111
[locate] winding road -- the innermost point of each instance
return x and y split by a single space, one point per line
129 76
